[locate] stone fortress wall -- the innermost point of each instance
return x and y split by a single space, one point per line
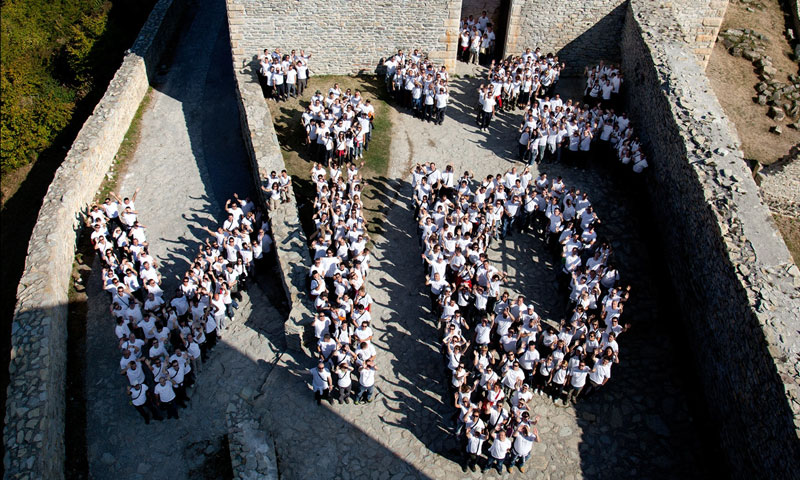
345 36
581 32
733 273
735 278
35 408
737 284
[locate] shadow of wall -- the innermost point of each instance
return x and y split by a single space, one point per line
715 237
581 32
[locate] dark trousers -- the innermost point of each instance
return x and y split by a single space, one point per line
345 392
170 409
496 463
180 395
280 90
486 119
472 459
440 115
326 394
147 409
301 85
430 111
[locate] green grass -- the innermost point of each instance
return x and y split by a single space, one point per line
291 135
126 149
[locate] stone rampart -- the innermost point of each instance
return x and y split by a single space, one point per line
265 156
34 430
700 21
580 32
735 279
347 37
252 449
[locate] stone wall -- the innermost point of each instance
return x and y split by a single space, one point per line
700 21
735 279
252 449
345 36
34 430
581 32
265 156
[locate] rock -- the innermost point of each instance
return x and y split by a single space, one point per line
776 129
776 113
769 70
751 55
737 52
143 468
733 32
762 100
108 459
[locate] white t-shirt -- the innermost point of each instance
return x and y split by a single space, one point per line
165 392
319 379
499 448
366 377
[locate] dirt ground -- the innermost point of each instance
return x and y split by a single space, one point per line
734 80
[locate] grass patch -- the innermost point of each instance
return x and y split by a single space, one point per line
292 137
126 149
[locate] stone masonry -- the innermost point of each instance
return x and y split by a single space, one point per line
581 32
251 446
344 36
34 430
736 280
700 21
265 156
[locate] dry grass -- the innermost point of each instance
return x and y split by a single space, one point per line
734 79
292 136
790 230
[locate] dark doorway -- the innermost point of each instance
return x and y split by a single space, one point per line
497 12
501 29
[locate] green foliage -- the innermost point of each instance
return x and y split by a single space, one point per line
54 56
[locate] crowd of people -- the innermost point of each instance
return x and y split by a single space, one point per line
515 82
338 126
337 286
163 338
476 42
498 351
283 75
419 85
553 129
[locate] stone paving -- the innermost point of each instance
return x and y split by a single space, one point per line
189 161
638 426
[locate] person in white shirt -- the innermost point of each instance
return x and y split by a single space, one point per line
366 382
141 401
321 383
577 380
498 451
165 393
475 439
524 437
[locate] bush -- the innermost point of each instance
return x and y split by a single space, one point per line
56 54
